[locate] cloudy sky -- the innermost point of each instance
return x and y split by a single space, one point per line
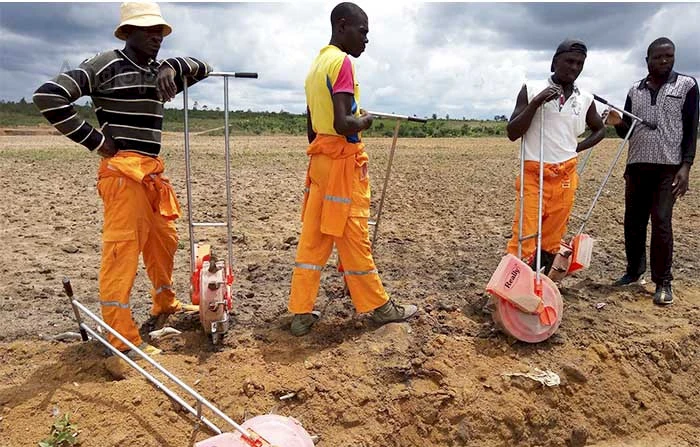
461 59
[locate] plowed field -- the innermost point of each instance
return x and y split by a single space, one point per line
629 370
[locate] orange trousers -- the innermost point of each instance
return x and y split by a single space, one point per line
559 191
354 249
134 223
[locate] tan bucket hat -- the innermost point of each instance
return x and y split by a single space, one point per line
141 14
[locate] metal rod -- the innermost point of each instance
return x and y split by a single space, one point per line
386 181
209 224
160 368
188 174
625 112
607 177
532 236
538 277
227 156
398 117
193 437
521 197
584 162
152 379
69 292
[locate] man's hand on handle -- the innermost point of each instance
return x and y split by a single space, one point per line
165 83
611 117
366 119
549 93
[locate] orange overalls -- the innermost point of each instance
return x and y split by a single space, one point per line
335 211
559 191
139 209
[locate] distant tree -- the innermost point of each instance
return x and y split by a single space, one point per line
22 101
434 116
195 105
204 107
447 116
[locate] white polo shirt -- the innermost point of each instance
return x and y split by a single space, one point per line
563 124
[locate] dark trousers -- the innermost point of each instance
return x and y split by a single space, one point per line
648 192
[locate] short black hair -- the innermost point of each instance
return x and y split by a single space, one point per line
658 42
346 10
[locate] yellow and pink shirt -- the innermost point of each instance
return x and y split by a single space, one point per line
331 72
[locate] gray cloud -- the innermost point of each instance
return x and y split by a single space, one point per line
462 59
536 26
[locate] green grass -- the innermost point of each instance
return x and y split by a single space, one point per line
64 433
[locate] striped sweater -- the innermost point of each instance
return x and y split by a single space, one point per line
124 96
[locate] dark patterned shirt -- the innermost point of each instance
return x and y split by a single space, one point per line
124 96
674 109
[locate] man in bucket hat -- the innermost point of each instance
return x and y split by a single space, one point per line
567 109
128 88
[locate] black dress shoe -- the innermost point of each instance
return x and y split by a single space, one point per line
664 294
625 280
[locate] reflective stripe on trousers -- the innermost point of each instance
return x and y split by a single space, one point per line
314 249
132 228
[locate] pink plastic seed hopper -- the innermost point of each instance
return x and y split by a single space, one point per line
528 305
276 430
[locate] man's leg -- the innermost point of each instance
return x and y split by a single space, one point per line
531 194
124 202
158 256
313 251
559 196
361 276
639 187
661 249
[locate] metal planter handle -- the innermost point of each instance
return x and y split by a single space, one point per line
227 155
415 119
651 126
235 74
398 118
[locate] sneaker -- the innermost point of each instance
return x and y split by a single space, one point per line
302 323
625 280
391 311
664 294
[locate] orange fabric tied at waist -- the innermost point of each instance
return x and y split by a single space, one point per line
564 169
148 171
337 196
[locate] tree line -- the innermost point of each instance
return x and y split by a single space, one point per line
247 122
